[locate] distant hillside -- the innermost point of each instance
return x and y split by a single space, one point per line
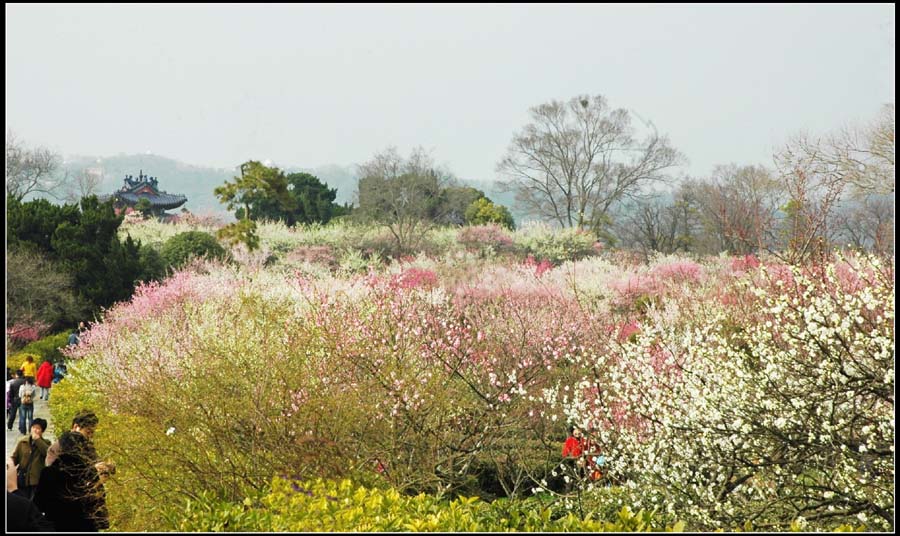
198 182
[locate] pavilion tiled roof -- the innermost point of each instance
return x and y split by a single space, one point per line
145 187
161 200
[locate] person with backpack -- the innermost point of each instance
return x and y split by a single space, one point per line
29 456
27 394
13 395
45 379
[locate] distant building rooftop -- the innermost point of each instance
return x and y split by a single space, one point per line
144 187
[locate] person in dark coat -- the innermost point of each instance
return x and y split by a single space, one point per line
21 514
29 454
70 492
84 423
14 398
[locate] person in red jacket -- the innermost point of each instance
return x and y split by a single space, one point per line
573 456
45 379
574 445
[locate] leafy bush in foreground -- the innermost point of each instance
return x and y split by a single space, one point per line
330 506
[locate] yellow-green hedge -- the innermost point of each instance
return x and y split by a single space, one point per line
320 506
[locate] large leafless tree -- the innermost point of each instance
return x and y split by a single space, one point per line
577 158
31 170
658 225
863 155
818 173
83 183
739 207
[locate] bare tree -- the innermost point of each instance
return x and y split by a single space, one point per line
818 171
31 170
402 194
38 290
864 155
814 183
738 207
83 183
654 225
575 159
867 224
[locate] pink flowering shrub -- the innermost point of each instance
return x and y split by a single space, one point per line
540 268
439 374
740 265
206 218
678 272
24 333
483 238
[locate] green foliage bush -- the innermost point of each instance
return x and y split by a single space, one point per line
483 211
153 267
320 505
41 350
183 247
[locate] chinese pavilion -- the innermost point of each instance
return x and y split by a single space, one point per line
145 187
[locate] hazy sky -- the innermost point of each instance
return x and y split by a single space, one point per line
312 85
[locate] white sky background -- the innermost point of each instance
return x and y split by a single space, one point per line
313 85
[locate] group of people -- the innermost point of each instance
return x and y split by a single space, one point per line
21 385
583 455
58 486
27 385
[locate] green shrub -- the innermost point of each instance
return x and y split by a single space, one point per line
483 211
153 267
181 248
320 505
44 349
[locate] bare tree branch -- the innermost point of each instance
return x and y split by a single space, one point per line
575 159
31 170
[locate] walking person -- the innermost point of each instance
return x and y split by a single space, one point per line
14 398
45 379
71 490
10 377
29 456
29 367
27 394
